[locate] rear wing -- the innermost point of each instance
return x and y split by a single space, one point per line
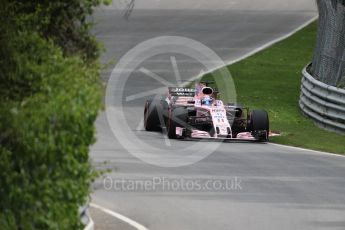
180 91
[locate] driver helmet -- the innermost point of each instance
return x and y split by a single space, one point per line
207 100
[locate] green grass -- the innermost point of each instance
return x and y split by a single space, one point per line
271 80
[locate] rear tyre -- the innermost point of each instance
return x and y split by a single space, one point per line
259 125
152 112
177 118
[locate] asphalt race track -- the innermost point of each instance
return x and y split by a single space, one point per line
266 186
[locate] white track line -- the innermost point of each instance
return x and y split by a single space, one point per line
123 218
308 150
258 49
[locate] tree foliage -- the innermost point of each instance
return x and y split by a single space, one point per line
49 99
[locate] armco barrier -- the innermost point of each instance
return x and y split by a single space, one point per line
325 104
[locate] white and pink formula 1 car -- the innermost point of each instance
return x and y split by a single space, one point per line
197 113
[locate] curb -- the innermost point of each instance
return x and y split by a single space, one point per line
90 225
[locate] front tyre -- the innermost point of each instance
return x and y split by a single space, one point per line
152 111
259 125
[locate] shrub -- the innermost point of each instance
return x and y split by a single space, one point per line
49 101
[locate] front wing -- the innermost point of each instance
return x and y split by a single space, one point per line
198 134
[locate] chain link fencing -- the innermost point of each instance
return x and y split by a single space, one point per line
328 64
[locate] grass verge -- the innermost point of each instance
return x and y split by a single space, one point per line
271 80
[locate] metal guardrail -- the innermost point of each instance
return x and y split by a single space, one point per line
86 218
325 104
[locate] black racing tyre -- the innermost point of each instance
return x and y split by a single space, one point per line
259 122
177 118
152 111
